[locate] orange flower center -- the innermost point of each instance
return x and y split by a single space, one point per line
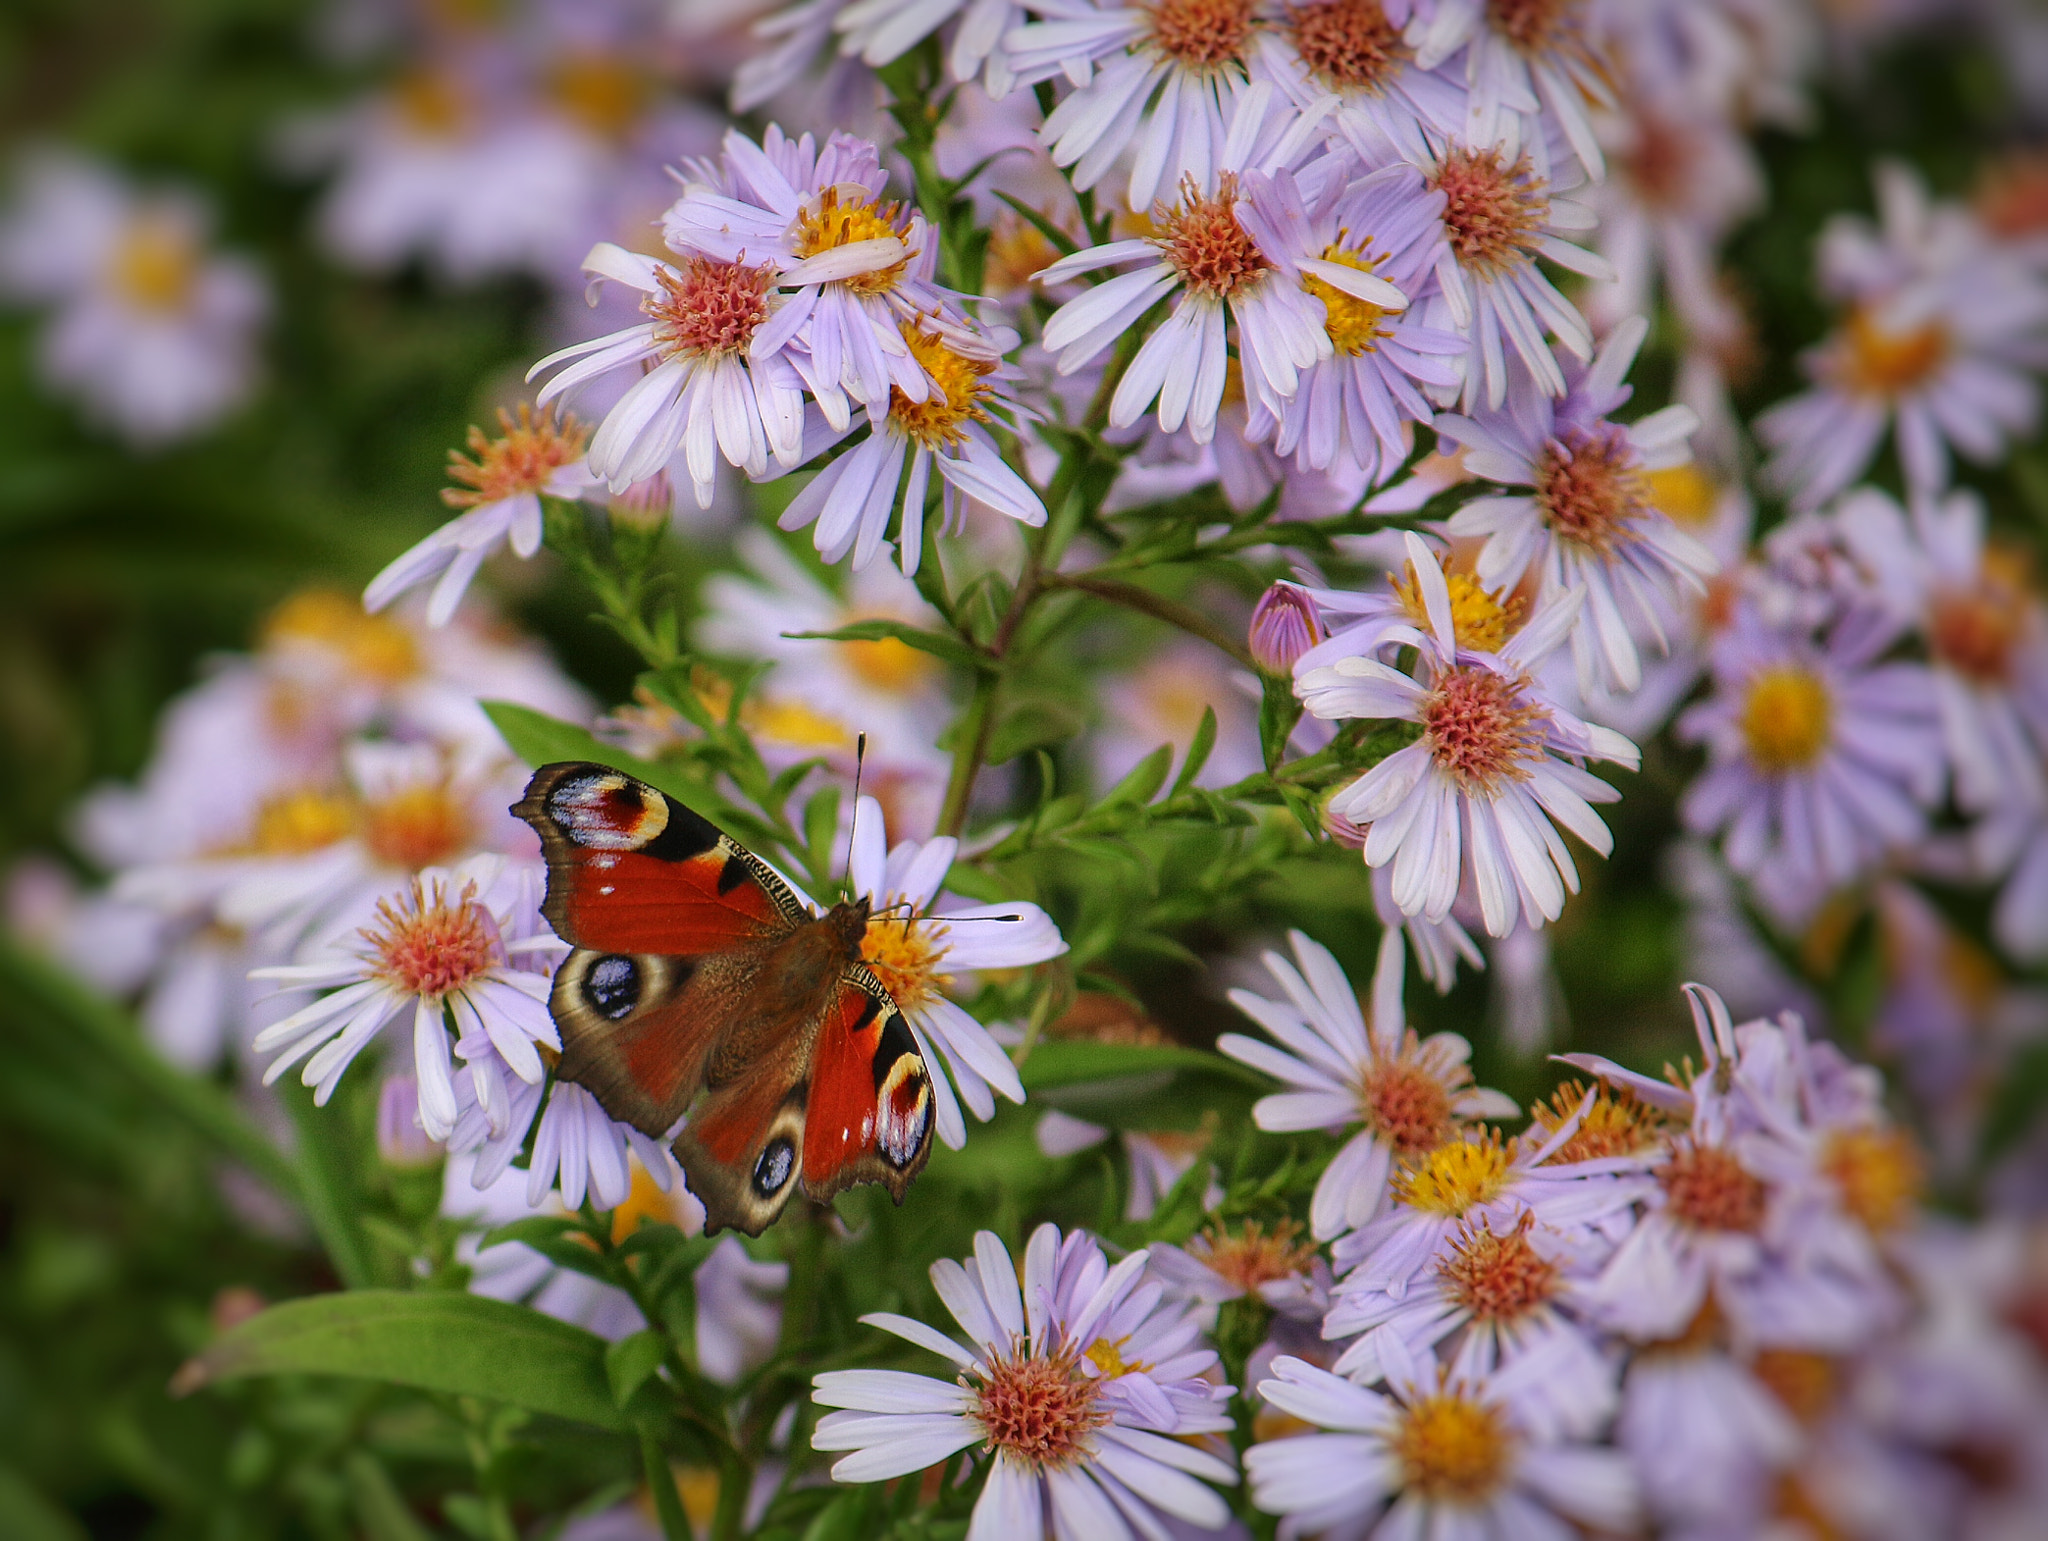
1975 630
1532 25
1879 1172
1589 488
1804 1382
1203 242
1478 730
523 458
1202 34
708 309
1254 1256
1876 362
604 92
1406 1106
1617 1124
1493 209
420 826
1349 44
1707 1188
427 945
1498 1278
1452 1449
1040 1410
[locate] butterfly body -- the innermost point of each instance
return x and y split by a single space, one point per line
702 987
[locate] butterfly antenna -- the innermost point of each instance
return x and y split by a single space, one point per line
860 756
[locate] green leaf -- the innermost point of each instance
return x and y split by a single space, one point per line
533 1231
1145 779
1198 752
1279 711
380 1509
26 1515
939 645
464 1345
1033 723
629 1362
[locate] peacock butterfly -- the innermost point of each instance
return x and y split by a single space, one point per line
701 985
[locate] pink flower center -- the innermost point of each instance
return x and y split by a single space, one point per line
1532 25
1350 44
1498 1278
1039 1409
427 945
1204 243
1478 729
1493 209
1406 1106
1709 1190
709 308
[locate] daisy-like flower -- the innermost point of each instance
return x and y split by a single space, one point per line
711 391
879 31
1226 248
1163 80
1976 606
443 951
1436 1455
1084 1436
1588 524
861 268
1410 1094
1354 405
1488 774
1522 56
1377 621
152 332
915 948
1500 214
888 473
1819 759
503 480
1354 51
1936 347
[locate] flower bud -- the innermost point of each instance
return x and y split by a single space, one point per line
1285 624
646 505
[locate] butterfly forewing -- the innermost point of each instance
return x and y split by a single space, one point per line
701 984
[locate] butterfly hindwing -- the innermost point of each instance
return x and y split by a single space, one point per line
701 985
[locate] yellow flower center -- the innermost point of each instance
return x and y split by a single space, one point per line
430 104
958 385
1617 1124
294 823
376 647
845 214
525 455
794 724
905 955
1879 1173
1451 1449
1017 250
602 91
1805 1383
1108 1358
888 664
644 1201
420 826
1875 362
1353 324
1480 621
1453 1178
156 264
1786 717
1686 494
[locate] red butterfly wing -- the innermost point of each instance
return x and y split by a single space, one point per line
870 1112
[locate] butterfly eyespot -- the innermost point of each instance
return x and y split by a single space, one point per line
609 812
612 987
903 1111
772 1171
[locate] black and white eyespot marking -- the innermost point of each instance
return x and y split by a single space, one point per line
896 1043
605 810
611 985
776 1166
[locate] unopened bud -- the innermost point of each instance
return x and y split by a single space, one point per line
646 505
1341 829
1285 624
401 1142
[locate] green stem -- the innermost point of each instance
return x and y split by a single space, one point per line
205 1107
661 1482
974 730
1159 607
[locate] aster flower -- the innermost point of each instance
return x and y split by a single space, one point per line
1434 1456
442 951
711 391
880 31
914 947
1083 1434
1975 605
1377 621
1820 760
1223 247
151 331
1521 57
1500 214
861 269
1165 81
1490 761
1354 51
887 474
1935 347
1588 524
503 482
1355 404
1411 1094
